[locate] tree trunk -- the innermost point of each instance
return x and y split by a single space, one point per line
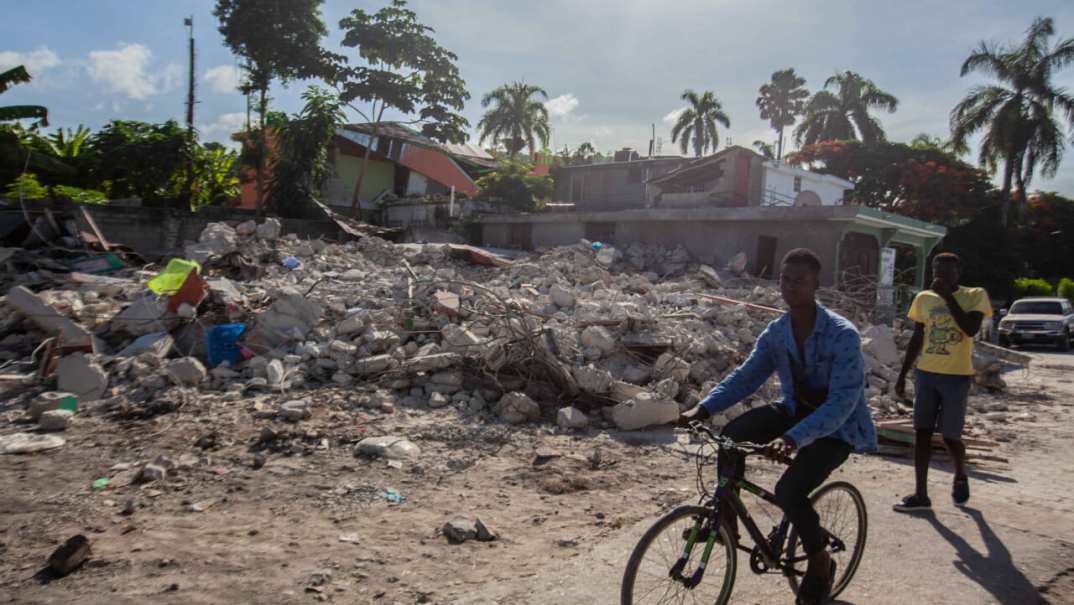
355 206
262 107
779 148
1019 177
1005 194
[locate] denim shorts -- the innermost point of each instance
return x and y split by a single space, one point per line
940 402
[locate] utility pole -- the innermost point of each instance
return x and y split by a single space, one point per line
189 189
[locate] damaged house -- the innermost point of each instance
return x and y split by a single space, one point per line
720 207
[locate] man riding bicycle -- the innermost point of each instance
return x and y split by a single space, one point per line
821 418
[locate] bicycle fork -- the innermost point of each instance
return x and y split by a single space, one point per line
691 541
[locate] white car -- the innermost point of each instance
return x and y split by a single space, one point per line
1038 321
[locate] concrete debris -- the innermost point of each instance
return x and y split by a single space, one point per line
293 411
158 344
646 409
592 379
269 230
69 556
390 447
81 375
46 317
55 420
146 315
571 418
517 408
709 276
29 443
598 338
186 371
563 297
461 530
48 401
879 341
447 302
157 470
290 318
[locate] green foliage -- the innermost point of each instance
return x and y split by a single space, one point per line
79 195
301 163
518 119
215 177
26 187
1030 286
1066 289
19 75
697 123
843 115
512 184
141 159
406 69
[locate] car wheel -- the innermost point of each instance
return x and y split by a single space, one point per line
1004 341
1064 342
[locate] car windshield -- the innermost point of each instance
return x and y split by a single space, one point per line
1037 308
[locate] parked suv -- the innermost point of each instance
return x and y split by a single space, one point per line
1038 320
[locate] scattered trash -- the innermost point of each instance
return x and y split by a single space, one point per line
392 495
173 276
291 262
222 343
100 484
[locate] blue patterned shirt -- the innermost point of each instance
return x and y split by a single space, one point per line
833 362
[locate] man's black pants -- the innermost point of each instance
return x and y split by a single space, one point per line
811 466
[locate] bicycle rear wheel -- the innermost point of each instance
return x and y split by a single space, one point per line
647 578
842 515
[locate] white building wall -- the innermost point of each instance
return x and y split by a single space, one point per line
780 182
416 184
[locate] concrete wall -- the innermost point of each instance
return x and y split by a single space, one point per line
605 186
781 181
378 177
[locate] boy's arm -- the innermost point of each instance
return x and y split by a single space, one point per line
913 349
745 380
967 321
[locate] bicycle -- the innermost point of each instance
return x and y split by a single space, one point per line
676 575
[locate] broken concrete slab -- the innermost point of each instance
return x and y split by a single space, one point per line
572 418
269 230
55 420
517 408
374 365
646 409
49 400
290 318
293 411
146 315
46 317
462 529
186 371
447 302
29 443
879 341
592 379
81 375
427 363
563 297
709 276
159 344
599 338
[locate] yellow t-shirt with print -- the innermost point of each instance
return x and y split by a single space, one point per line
947 349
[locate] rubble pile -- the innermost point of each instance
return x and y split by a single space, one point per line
585 335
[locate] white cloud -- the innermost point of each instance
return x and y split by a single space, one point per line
36 61
224 79
673 116
561 106
127 70
224 125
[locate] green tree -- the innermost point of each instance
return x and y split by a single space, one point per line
844 114
765 149
781 101
697 123
19 75
68 144
404 69
215 177
518 118
141 159
584 153
511 184
278 40
1017 116
301 163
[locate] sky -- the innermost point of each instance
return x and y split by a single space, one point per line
613 69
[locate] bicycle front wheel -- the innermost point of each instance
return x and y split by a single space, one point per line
842 514
648 576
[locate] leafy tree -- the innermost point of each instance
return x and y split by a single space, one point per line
404 69
68 144
1046 236
697 124
927 184
518 120
1018 114
23 149
765 149
278 40
844 114
781 101
215 176
26 187
301 163
141 159
19 75
511 184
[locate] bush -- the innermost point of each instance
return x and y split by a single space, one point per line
1027 286
512 184
1066 289
26 187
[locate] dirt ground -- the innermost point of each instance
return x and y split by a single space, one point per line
313 524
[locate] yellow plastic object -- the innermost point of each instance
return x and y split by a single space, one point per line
172 277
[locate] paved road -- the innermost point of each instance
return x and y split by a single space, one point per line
1016 537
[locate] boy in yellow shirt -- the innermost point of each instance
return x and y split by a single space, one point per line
946 317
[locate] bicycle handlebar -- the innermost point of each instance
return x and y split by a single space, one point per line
727 443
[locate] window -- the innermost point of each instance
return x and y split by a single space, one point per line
797 184
1037 308
633 175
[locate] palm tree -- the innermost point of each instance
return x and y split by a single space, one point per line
1017 115
583 153
697 122
518 120
69 144
844 115
19 75
765 149
781 101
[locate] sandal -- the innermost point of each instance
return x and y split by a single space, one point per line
816 590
